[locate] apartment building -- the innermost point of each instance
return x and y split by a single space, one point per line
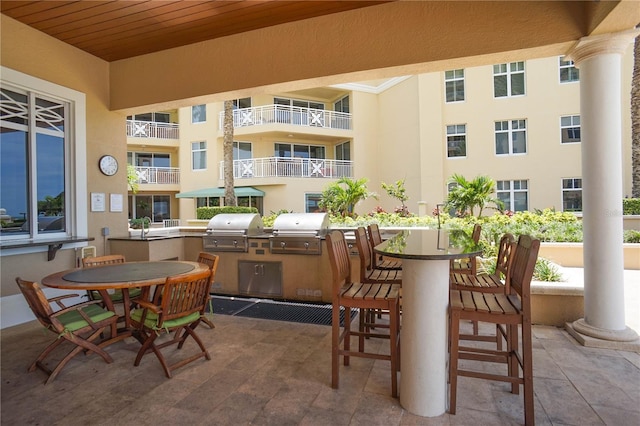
517 122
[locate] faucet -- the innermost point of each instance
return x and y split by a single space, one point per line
143 235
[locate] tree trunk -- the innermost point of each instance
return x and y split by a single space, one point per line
229 194
635 122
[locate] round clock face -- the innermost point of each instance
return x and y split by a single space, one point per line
108 165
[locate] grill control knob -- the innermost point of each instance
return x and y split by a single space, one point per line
306 245
282 244
235 243
215 243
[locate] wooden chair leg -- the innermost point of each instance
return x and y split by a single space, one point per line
454 331
527 371
393 347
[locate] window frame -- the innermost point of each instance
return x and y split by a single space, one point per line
568 65
571 127
75 176
564 190
512 191
310 197
203 109
510 74
457 133
202 151
453 80
510 131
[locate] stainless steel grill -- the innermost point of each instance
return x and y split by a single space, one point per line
299 233
229 232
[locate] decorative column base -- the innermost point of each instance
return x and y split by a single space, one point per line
594 337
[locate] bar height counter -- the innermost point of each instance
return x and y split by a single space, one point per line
425 255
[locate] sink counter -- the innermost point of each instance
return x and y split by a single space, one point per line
172 246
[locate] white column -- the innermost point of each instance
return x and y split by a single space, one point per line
599 60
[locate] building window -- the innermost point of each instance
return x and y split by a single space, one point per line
572 195
514 194
155 207
568 71
511 137
343 151
508 79
198 155
311 203
208 202
457 140
342 105
242 103
149 159
256 202
288 150
41 133
153 117
242 150
454 85
198 113
570 128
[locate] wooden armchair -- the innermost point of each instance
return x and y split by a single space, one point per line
469 265
380 262
509 311
369 273
362 296
79 324
178 306
210 260
117 296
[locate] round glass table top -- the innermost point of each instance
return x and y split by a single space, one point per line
429 244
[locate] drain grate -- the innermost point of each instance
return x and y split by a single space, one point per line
276 310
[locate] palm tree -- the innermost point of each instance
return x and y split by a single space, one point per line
635 122
229 194
342 196
467 195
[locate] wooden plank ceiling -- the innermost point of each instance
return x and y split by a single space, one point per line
114 30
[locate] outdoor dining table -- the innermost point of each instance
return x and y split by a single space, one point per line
121 276
425 255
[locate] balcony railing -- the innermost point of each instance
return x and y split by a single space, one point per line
148 129
283 114
158 175
288 167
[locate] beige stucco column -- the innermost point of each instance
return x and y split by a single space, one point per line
599 60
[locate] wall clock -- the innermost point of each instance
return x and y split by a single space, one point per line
108 165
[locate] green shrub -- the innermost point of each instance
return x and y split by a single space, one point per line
206 213
631 236
631 206
547 271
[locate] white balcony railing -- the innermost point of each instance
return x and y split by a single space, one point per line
284 114
289 167
148 129
158 175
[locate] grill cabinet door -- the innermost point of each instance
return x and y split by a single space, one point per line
260 278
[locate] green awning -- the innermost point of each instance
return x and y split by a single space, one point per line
242 191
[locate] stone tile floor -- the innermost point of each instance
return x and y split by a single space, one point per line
278 373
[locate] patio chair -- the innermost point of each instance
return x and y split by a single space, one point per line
468 265
212 261
80 324
368 272
509 311
178 306
496 282
362 296
378 261
116 296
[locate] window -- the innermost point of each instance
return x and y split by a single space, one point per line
299 151
511 137
242 103
572 195
343 151
155 207
508 79
457 140
454 85
242 150
568 71
42 136
342 105
149 159
514 194
208 202
256 202
198 113
570 129
311 203
198 155
296 111
154 117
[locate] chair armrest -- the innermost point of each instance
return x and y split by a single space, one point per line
78 307
148 305
58 299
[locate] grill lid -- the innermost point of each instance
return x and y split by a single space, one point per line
301 224
248 224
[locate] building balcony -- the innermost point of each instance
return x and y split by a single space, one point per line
148 129
158 175
284 114
288 167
